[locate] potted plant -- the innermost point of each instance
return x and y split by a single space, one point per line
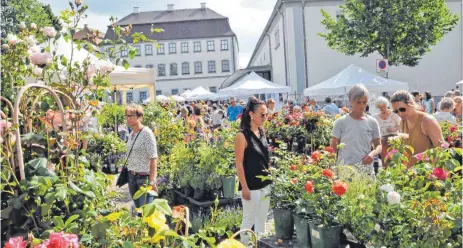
198 182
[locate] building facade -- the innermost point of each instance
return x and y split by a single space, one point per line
197 48
299 58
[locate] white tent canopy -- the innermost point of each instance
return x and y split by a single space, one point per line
461 82
200 93
186 93
341 83
178 98
253 84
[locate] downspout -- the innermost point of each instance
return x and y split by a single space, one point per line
233 53
270 54
284 44
306 70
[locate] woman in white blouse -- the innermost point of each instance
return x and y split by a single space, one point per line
389 124
445 110
141 161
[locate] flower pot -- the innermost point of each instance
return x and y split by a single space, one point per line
355 245
284 223
188 191
228 187
199 194
213 194
302 231
325 237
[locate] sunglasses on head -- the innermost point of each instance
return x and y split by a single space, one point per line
400 110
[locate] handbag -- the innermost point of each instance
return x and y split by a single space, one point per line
123 178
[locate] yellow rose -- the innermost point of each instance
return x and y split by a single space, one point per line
231 243
113 216
157 220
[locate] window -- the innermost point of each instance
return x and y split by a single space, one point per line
149 66
174 91
184 47
185 68
138 49
137 66
124 52
213 89
173 69
158 92
148 50
161 70
172 48
224 45
161 49
143 96
185 89
277 38
129 97
225 65
211 66
198 67
210 46
197 46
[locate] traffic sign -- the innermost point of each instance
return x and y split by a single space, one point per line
382 65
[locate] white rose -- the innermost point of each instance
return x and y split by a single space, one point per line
22 25
33 26
5 46
33 49
387 187
30 40
377 227
40 58
49 32
12 39
37 71
393 198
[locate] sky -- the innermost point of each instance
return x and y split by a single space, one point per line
247 17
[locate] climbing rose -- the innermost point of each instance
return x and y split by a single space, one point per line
329 149
328 173
49 32
40 58
393 198
439 173
309 187
339 188
16 243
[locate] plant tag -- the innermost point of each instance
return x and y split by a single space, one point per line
315 234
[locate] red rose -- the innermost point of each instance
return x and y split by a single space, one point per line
294 180
449 138
309 187
316 155
439 173
339 188
329 149
453 128
293 167
328 173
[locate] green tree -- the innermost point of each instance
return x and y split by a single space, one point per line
401 31
29 11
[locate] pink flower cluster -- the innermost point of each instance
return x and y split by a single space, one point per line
391 153
60 240
16 243
40 58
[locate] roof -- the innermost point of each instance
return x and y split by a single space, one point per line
178 15
89 33
241 73
182 30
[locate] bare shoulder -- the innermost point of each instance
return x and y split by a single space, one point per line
429 119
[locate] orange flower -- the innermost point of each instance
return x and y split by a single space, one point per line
339 188
329 149
178 212
293 167
294 180
328 173
309 187
93 103
316 155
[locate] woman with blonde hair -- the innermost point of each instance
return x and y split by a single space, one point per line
423 129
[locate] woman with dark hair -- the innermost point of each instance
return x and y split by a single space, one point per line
428 103
252 160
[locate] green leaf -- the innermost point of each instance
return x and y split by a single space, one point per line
75 187
60 193
148 209
71 219
128 244
138 194
126 64
58 221
89 194
162 206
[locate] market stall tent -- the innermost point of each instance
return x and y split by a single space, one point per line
200 93
253 84
341 83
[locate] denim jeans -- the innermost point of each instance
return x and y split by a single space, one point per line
135 182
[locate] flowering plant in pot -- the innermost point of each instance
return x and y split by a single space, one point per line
452 133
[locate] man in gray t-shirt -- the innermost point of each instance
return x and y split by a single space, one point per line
358 136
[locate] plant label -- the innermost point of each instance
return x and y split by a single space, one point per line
315 234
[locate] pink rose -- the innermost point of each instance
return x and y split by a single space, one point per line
439 173
40 58
391 153
50 32
12 39
91 72
16 243
445 145
34 49
421 157
63 240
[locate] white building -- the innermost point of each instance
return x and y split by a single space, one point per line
197 48
300 64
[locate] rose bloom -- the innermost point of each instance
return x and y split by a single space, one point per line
393 198
22 25
391 153
33 26
339 188
309 187
34 49
439 173
40 58
12 39
49 32
328 173
30 40
16 242
37 71
329 149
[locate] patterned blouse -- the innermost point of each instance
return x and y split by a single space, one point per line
143 151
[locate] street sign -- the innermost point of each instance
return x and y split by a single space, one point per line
382 65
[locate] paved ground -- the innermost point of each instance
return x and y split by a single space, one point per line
124 200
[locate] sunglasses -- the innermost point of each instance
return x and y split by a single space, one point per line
400 110
130 116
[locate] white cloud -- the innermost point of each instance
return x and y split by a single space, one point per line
96 21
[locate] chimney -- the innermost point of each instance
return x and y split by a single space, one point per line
203 5
136 10
170 7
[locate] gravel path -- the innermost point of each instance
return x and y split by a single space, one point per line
124 200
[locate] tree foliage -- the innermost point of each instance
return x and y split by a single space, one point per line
402 31
29 11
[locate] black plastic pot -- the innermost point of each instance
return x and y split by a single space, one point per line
302 231
213 194
199 194
325 237
284 223
188 191
355 245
